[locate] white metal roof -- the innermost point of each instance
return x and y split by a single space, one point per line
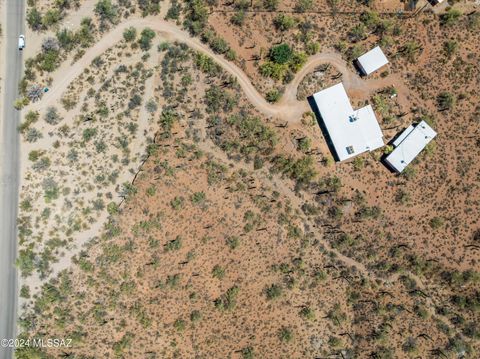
372 60
348 129
403 135
410 145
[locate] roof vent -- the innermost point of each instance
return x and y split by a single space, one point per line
350 150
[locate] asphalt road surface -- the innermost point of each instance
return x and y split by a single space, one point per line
9 162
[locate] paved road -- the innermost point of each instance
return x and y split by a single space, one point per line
9 157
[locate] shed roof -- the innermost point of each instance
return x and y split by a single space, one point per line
410 145
351 131
372 60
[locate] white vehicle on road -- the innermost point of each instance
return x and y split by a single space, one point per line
21 42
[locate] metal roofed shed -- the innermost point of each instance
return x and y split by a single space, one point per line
350 131
409 144
372 60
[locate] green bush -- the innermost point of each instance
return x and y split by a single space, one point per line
284 22
273 292
146 38
273 95
34 19
106 11
285 334
228 300
130 34
451 17
281 54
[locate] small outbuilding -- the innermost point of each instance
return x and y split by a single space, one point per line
372 61
409 145
350 132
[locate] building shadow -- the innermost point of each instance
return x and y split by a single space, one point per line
358 68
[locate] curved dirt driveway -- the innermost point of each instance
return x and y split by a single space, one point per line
287 109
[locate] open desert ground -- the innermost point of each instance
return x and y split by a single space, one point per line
180 200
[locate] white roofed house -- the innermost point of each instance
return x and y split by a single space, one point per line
409 145
350 131
372 61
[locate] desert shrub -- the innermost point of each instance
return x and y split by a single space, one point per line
146 38
232 242
34 19
473 21
198 198
52 116
312 48
135 101
85 35
436 222
219 45
445 101
177 203
216 99
88 134
51 189
357 33
206 64
130 34
51 17
284 22
285 334
450 48
228 300
195 316
282 62
410 51
273 292
49 60
273 95
196 16
106 11
450 17
218 272
179 325
247 353
149 7
302 170
167 118
238 18
307 313
410 345
30 118
26 261
25 291
271 5
66 39
41 165
33 135
304 144
174 10
50 43
281 54
303 5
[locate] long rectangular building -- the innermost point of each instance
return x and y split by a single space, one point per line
350 131
409 145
